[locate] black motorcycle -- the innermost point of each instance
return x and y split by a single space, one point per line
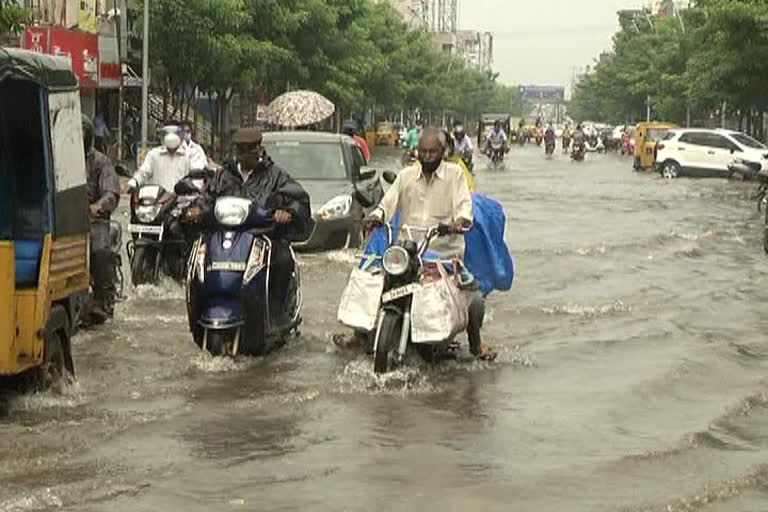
496 153
403 264
578 151
549 148
161 238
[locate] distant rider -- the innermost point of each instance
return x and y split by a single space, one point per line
194 151
495 135
549 136
463 146
454 157
103 195
350 129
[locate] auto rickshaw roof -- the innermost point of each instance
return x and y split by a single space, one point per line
45 70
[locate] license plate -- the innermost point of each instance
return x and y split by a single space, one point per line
399 293
145 230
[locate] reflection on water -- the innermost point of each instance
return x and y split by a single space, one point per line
630 376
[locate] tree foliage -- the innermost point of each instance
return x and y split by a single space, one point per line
709 54
359 54
13 17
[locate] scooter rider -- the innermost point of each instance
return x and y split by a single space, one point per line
463 145
165 165
103 196
497 134
420 194
253 175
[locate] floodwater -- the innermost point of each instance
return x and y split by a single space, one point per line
631 377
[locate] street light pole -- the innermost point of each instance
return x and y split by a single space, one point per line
145 74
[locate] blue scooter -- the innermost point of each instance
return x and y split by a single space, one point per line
228 299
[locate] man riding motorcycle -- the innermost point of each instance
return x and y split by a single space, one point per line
103 196
420 194
495 135
567 135
164 165
454 157
254 175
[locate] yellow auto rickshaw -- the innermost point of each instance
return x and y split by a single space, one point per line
648 135
386 135
44 225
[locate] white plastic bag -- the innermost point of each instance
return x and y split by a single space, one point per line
439 310
361 300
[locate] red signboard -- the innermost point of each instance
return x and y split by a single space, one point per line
81 48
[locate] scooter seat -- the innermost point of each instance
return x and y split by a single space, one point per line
27 255
223 313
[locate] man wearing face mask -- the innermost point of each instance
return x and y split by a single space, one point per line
165 165
435 192
103 196
195 152
253 175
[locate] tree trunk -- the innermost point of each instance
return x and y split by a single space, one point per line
213 126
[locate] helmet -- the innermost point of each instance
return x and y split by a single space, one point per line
459 132
349 128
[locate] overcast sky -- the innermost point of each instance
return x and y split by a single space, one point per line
542 41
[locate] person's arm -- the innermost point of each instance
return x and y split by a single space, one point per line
462 201
197 158
109 184
387 208
291 197
144 174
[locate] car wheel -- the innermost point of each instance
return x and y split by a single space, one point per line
670 170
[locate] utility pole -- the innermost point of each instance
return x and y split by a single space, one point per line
722 114
118 22
145 75
648 108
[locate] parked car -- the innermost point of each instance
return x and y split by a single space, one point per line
341 187
707 153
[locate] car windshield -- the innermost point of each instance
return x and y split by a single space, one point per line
748 141
656 134
308 160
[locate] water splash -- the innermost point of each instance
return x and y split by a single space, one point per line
587 311
206 363
41 500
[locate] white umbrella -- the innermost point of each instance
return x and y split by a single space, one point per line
299 108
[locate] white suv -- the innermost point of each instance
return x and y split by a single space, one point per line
707 153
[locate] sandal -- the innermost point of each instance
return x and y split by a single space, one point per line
484 353
346 342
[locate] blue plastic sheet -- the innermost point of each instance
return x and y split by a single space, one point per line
486 254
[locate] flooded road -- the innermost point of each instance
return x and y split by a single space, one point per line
631 377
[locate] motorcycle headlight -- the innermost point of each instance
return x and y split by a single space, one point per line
255 262
336 208
232 211
395 261
147 214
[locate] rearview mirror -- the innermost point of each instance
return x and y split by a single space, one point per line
366 172
389 176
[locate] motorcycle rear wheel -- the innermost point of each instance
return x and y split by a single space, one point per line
389 340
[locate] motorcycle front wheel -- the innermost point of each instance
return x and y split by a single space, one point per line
143 266
389 341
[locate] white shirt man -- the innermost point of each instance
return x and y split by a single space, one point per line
444 199
163 167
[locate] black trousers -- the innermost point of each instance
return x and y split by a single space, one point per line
476 318
103 273
281 268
